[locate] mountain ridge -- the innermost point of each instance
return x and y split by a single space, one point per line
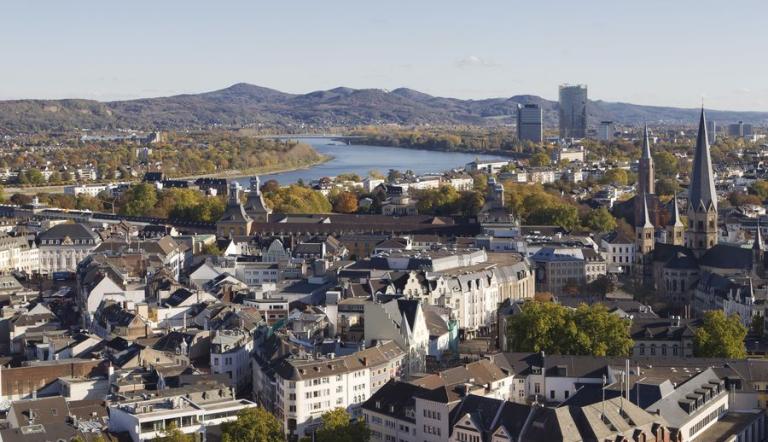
244 104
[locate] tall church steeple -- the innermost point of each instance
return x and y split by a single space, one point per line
646 178
702 198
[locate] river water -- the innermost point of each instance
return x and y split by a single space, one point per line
361 159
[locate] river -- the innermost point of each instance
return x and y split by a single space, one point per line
361 159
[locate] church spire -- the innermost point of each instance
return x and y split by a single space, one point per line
674 219
702 194
646 144
646 175
646 217
758 245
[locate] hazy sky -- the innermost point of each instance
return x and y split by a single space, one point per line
665 52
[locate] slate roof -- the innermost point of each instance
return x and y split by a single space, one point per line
46 410
670 406
701 192
661 329
727 256
68 230
392 399
179 296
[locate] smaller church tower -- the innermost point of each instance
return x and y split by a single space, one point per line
645 238
675 227
234 221
255 206
646 232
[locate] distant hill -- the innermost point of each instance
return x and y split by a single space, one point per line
245 104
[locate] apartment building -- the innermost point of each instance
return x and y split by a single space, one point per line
231 355
191 409
305 387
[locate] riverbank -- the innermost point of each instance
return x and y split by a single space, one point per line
229 174
374 141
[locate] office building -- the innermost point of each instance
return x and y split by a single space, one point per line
605 131
740 130
573 111
529 123
712 131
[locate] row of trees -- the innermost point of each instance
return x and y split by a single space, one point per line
593 330
553 328
535 204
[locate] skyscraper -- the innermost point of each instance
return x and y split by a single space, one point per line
529 126
712 131
573 111
605 131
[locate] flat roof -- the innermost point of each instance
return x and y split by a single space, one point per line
728 426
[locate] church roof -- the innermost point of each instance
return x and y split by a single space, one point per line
726 256
254 204
702 189
235 213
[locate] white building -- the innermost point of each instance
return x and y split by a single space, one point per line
191 409
63 246
401 321
17 253
618 251
231 355
85 189
306 387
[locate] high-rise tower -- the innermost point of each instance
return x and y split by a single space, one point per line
529 123
573 111
702 198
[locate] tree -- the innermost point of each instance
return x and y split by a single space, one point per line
440 201
667 186
173 434
211 249
720 336
553 328
139 200
540 159
760 188
666 164
599 220
394 175
253 425
270 186
375 174
339 427
345 202
297 199
616 177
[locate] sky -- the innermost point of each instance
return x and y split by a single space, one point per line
656 52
